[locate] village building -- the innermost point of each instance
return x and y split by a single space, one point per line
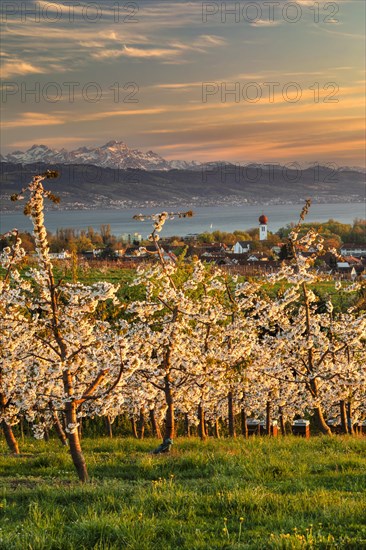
263 231
242 247
63 255
345 269
353 249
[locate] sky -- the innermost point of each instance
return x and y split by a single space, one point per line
249 81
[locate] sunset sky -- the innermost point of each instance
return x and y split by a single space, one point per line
173 52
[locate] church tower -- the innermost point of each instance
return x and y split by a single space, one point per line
263 220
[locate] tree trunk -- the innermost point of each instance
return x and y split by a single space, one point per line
133 426
318 413
154 425
10 437
244 425
268 417
74 442
201 425
217 428
206 428
231 415
63 420
344 426
141 425
46 435
58 427
320 421
313 386
7 429
21 426
282 421
169 416
80 429
349 418
108 426
187 427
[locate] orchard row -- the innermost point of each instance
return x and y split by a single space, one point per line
199 344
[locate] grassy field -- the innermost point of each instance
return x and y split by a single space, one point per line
325 290
115 274
283 493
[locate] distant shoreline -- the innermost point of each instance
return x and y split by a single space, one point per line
75 207
206 218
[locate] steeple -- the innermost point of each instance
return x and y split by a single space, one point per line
263 220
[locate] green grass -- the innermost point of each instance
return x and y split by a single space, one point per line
123 277
261 493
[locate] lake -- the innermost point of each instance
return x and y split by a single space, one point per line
208 218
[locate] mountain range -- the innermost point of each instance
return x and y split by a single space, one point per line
88 186
114 176
117 155
114 154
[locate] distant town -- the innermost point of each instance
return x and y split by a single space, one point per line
250 252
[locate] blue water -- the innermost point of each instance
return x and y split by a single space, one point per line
208 218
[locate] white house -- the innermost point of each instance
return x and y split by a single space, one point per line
242 247
64 255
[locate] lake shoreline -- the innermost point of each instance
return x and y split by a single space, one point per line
206 218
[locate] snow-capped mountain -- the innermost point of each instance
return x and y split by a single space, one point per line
117 155
114 154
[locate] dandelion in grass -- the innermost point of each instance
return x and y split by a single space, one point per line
225 530
240 528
